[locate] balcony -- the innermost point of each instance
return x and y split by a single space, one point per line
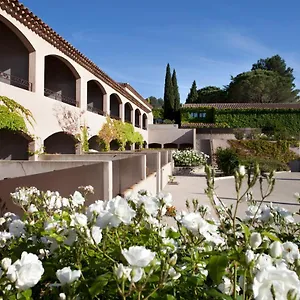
15 81
59 97
96 110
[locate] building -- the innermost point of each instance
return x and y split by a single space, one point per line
60 86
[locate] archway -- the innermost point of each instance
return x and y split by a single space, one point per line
114 145
95 97
60 80
115 103
94 143
145 121
137 116
155 145
128 112
60 143
14 145
14 53
171 146
128 146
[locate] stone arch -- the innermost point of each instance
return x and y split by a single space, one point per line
171 146
128 146
155 145
115 104
128 112
60 143
94 143
145 121
15 52
14 145
114 145
60 80
137 118
95 97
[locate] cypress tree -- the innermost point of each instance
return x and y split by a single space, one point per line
176 92
168 95
193 94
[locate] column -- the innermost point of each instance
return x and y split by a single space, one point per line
37 72
158 173
122 111
106 104
107 180
81 94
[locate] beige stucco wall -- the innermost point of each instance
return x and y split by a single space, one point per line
166 134
44 109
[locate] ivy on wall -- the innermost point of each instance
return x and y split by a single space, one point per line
13 116
117 130
287 120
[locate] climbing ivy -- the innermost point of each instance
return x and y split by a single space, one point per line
117 130
84 138
13 115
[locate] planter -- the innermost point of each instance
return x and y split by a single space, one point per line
189 171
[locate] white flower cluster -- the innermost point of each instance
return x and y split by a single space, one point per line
62 249
189 158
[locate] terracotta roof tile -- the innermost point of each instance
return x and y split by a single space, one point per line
245 105
18 11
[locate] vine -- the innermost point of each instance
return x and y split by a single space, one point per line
122 132
13 115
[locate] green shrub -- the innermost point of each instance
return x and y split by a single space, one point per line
227 160
265 165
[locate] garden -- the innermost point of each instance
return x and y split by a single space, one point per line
124 248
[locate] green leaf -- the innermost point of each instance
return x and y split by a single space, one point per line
218 295
271 236
27 294
170 297
246 231
216 268
98 285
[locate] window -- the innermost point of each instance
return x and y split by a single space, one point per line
202 115
194 115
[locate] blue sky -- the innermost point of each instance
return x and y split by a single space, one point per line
207 41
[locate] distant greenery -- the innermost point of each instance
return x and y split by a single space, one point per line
156 102
269 81
269 155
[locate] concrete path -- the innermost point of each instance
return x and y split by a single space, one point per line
189 188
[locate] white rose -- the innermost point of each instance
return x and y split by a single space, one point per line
249 255
276 249
280 279
5 263
77 199
17 228
95 208
117 211
78 219
255 240
242 171
122 272
290 252
96 234
62 296
138 256
26 272
67 276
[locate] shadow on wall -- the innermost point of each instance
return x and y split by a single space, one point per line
14 145
61 143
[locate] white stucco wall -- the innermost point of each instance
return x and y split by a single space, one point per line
43 107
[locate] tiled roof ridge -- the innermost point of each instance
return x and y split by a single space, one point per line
21 13
133 90
244 105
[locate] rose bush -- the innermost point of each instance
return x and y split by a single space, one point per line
189 158
124 248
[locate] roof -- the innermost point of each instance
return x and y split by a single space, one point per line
18 11
244 105
134 91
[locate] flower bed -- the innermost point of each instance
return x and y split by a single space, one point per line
123 249
189 158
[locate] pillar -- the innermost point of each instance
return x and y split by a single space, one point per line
106 104
158 173
107 180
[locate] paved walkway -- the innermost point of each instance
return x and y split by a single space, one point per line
189 188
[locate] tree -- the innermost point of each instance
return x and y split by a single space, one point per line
156 102
211 94
193 95
176 92
260 86
168 95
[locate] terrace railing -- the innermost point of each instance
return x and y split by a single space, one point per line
60 97
15 81
96 110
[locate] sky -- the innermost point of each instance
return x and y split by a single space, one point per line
207 41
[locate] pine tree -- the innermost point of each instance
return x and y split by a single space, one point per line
176 92
168 95
193 94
